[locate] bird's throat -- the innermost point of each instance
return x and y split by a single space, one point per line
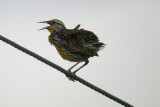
51 30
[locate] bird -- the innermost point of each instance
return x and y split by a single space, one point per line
75 45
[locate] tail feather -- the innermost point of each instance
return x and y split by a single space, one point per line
100 44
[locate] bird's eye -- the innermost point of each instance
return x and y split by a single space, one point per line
52 23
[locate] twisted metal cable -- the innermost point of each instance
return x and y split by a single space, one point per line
68 74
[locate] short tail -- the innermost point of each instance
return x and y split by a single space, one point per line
99 44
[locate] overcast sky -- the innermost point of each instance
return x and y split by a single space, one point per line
128 67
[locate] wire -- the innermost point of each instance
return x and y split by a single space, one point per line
68 74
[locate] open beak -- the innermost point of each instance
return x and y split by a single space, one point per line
45 28
43 22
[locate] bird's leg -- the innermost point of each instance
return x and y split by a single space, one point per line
71 72
73 66
86 62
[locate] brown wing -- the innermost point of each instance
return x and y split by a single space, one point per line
73 41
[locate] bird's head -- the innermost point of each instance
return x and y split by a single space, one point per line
58 25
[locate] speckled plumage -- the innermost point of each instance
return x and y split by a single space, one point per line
79 44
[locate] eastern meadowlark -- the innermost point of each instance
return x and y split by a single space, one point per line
75 45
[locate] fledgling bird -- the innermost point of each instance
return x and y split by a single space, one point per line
75 45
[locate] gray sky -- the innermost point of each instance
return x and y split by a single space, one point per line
128 67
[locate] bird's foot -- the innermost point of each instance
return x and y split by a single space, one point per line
73 75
